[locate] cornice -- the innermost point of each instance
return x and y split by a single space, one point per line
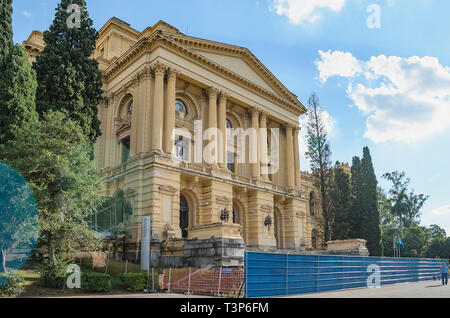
148 44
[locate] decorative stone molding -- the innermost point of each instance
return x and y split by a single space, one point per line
266 207
167 189
223 199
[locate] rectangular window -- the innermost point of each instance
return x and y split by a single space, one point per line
230 161
125 149
181 149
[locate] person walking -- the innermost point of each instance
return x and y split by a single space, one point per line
444 274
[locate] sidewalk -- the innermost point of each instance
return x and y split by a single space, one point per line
429 289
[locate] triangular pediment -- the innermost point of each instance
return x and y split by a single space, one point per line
239 60
239 66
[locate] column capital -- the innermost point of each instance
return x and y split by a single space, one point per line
135 79
264 116
223 97
212 91
159 68
172 74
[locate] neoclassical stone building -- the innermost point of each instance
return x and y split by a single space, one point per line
159 81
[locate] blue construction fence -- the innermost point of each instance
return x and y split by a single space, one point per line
269 274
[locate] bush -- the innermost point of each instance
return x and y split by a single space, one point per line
134 281
96 282
53 274
11 284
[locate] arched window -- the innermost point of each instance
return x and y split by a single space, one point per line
184 216
180 108
311 204
130 110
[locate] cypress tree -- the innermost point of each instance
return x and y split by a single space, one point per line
370 214
356 200
340 204
319 154
17 93
6 32
68 79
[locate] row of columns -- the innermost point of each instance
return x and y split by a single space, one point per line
217 120
163 125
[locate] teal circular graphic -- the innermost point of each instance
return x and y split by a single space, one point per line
18 222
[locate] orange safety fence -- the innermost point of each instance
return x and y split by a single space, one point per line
211 281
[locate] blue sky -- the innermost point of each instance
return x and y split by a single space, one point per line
387 88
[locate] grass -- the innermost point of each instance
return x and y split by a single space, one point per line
34 288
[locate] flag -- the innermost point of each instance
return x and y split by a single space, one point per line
400 242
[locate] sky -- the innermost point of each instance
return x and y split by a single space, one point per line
380 68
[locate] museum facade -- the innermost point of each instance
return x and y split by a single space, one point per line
167 98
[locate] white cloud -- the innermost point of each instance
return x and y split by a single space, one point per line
443 210
330 127
300 11
27 14
405 99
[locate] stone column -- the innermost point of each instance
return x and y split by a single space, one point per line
212 122
254 151
263 146
169 112
222 125
290 157
297 157
158 108
143 107
109 130
134 117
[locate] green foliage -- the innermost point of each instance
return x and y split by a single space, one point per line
439 248
134 281
369 198
11 284
405 206
340 204
6 32
96 282
53 273
17 93
319 155
68 79
55 158
436 232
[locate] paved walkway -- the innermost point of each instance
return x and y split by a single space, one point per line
429 289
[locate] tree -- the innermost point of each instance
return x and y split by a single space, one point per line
406 206
340 204
356 200
6 32
17 92
18 214
439 248
319 155
370 215
387 219
68 79
55 157
436 232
